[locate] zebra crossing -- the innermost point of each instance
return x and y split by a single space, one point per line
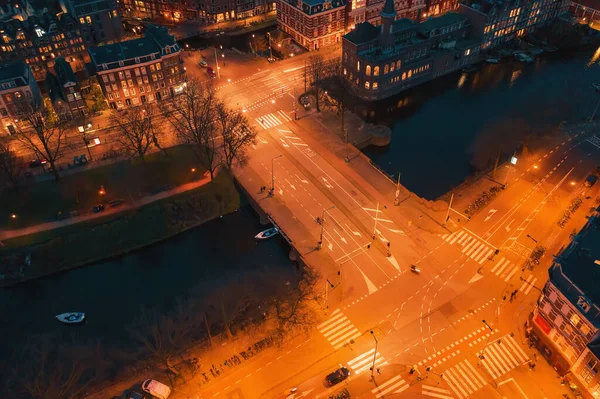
338 329
392 386
273 119
480 251
464 379
504 269
594 140
502 355
528 284
365 361
436 392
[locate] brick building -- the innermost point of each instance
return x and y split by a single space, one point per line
181 10
496 22
379 62
565 323
17 87
99 19
312 23
141 70
65 91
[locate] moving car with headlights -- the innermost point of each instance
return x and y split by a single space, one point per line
337 376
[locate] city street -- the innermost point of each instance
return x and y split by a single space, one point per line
432 319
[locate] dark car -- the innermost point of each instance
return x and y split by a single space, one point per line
98 208
590 180
37 162
210 72
337 376
133 395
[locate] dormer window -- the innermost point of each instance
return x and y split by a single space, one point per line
168 50
121 63
137 60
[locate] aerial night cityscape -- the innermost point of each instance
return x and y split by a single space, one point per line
299 199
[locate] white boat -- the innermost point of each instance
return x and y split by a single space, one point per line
268 233
523 57
71 318
492 60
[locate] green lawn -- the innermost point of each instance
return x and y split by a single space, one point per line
44 201
97 239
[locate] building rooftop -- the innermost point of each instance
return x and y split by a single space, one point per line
576 271
64 71
12 70
362 33
433 23
403 24
154 41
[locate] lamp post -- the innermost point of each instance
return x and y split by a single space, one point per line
272 191
534 240
270 49
223 56
377 219
374 354
320 243
397 199
482 356
217 64
448 211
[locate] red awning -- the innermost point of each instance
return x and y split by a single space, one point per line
543 324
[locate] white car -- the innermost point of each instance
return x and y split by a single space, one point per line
156 389
203 64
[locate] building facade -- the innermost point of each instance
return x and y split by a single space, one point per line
100 20
564 325
174 11
495 22
138 71
586 11
38 41
65 91
370 10
17 88
379 62
312 23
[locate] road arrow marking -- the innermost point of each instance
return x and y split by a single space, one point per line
476 277
508 225
490 214
302 180
326 182
280 192
291 185
330 246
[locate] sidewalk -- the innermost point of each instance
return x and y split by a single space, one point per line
192 28
8 234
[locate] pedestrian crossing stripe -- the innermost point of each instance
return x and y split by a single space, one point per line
504 269
463 379
502 356
365 361
528 284
338 329
392 386
436 392
271 120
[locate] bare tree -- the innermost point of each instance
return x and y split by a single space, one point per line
46 370
39 133
237 136
11 167
193 115
136 129
295 306
315 73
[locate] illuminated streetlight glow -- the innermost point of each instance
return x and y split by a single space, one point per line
572 183
193 169
13 216
272 101
535 166
102 190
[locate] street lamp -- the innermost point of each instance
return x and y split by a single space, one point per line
270 49
320 243
217 64
377 219
272 191
223 56
534 240
374 354
482 356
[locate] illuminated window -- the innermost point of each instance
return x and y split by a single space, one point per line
376 71
345 72
409 73
468 51
392 67
575 319
368 70
358 66
375 85
367 85
386 69
404 76
398 64
88 19
81 20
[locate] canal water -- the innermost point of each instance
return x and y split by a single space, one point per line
435 126
112 293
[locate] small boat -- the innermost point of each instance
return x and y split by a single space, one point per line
492 60
71 318
268 233
523 57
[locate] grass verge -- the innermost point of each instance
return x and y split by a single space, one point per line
84 243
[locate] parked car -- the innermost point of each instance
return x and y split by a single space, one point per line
93 142
203 64
156 389
590 180
37 162
129 394
271 60
210 72
337 376
98 208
